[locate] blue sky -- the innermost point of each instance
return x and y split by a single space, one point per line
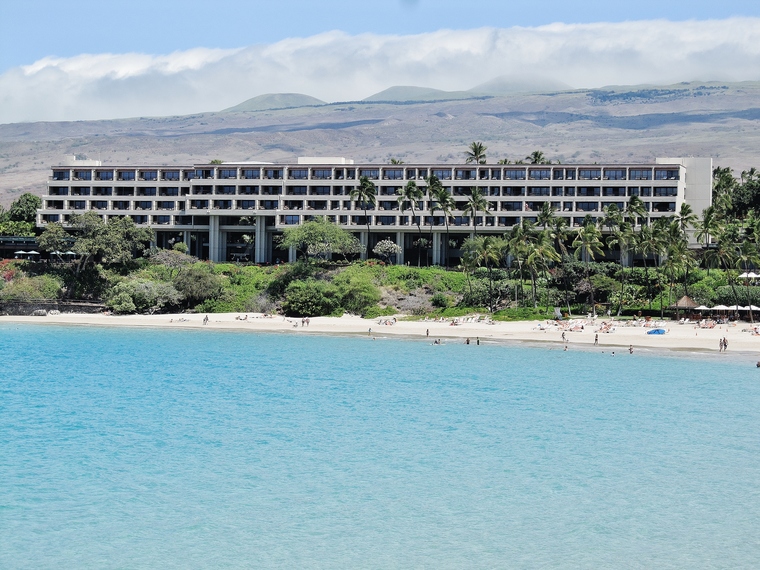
32 29
88 60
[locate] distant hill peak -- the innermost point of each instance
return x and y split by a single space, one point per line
509 85
271 101
408 93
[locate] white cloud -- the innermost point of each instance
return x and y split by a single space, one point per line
335 66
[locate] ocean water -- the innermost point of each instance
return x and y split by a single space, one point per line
181 449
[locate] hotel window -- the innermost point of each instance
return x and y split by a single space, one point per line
60 175
225 189
149 175
227 173
170 174
162 220
150 191
514 174
569 190
322 173
393 174
77 204
248 190
143 205
513 191
539 174
170 191
589 174
666 191
58 191
104 175
247 204
462 174
125 175
102 191
140 219
125 191
557 191
98 205
298 174
661 174
82 175
589 191
663 206
251 173
290 220
165 205
80 191
222 204
613 191
538 191
587 206
296 191
269 204
120 205
204 173
640 174
273 173
442 174
371 173
320 190
198 204
570 174
558 174
614 173
496 174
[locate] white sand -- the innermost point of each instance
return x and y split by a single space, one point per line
680 337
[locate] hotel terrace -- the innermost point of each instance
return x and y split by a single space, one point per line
211 207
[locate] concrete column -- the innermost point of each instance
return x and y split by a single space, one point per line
222 246
186 239
260 245
400 242
292 254
436 248
213 238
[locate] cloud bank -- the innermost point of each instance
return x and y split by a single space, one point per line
336 66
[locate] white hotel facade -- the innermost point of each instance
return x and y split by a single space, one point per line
211 207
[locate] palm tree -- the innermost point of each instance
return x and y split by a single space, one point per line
648 242
504 161
517 247
366 194
476 153
635 210
396 161
686 217
485 251
443 201
409 196
709 226
621 234
588 244
475 203
537 157
747 257
540 253
559 233
545 215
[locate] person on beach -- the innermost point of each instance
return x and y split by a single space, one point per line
467 341
596 340
477 340
427 333
563 336
630 349
720 344
370 332
725 344
205 320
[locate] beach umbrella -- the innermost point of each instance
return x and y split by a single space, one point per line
19 253
656 331
702 308
744 275
753 308
719 308
753 275
56 253
33 252
69 253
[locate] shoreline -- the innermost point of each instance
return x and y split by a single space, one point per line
681 339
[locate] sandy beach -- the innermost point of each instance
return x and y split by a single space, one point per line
578 334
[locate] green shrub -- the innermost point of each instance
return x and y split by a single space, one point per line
122 303
377 311
198 284
439 301
310 298
181 247
41 287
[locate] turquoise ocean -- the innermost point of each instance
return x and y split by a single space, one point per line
145 448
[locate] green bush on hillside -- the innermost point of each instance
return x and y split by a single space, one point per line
310 298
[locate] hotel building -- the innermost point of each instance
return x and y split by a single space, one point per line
211 207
